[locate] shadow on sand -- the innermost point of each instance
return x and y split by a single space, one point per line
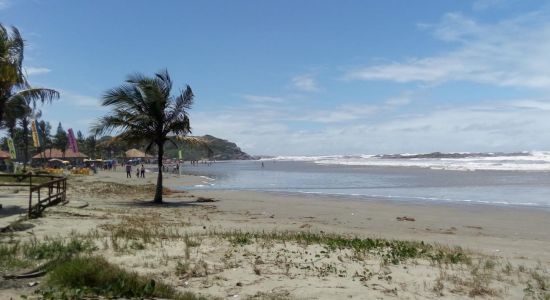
11 210
164 204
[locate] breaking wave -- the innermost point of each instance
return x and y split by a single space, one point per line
520 161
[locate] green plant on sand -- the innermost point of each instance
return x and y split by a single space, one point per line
85 276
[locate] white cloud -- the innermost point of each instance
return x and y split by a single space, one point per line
509 53
36 71
532 104
401 100
74 110
263 99
305 83
339 114
496 126
75 99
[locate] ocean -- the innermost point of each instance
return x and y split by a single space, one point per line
521 179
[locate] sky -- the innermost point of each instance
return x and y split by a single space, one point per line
308 77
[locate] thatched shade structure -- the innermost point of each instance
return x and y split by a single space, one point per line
135 153
56 153
4 155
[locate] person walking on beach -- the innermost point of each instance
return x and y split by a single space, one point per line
128 171
142 171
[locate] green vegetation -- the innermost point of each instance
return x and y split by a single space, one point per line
145 229
150 229
18 99
219 150
391 251
14 255
84 276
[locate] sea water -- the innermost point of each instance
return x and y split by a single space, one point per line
522 180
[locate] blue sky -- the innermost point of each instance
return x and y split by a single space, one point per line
309 77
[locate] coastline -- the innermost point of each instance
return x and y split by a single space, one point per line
242 244
511 231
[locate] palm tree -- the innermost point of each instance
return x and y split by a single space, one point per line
14 87
11 64
143 109
12 113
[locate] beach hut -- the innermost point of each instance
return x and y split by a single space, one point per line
3 157
48 154
135 156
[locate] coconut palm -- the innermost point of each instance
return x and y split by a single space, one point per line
12 113
14 87
144 110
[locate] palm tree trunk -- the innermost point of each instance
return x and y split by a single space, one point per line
25 124
11 131
1 112
158 192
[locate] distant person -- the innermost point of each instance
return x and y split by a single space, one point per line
262 164
128 171
137 171
142 171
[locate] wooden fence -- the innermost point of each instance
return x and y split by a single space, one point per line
44 190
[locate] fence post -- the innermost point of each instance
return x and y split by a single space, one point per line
64 189
50 187
38 205
30 195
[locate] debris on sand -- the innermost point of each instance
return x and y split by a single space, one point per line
203 199
405 218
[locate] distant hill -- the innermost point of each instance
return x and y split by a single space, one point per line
221 150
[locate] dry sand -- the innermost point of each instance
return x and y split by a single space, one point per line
208 263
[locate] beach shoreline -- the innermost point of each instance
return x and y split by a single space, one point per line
512 231
224 243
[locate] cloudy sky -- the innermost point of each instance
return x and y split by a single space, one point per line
309 77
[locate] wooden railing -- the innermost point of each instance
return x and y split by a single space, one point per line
47 190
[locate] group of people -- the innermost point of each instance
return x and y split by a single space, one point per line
174 169
109 166
204 162
140 171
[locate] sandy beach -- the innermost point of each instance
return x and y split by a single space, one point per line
198 241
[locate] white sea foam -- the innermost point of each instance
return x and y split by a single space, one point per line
528 161
419 198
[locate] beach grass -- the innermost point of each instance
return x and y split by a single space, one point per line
76 268
16 254
86 276
391 251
